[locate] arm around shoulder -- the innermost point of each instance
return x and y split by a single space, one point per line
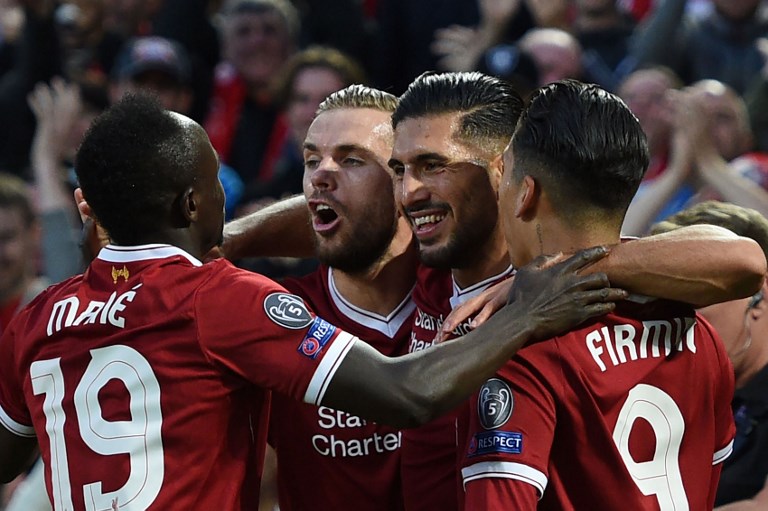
698 264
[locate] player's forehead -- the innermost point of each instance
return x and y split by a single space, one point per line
362 127
430 134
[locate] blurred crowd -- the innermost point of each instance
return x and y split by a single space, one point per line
253 72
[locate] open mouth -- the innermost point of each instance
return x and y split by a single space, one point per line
426 225
324 217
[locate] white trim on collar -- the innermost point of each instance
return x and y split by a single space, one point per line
462 295
129 254
388 325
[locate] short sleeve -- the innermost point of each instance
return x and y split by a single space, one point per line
14 415
512 423
725 429
254 328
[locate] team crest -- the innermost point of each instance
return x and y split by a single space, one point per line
120 272
494 404
287 311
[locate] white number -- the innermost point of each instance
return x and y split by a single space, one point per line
47 379
139 437
659 476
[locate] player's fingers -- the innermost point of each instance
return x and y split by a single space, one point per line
606 294
598 309
583 258
592 281
487 311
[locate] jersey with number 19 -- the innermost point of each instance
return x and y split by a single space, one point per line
146 379
631 412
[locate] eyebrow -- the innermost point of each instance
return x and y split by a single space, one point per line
345 148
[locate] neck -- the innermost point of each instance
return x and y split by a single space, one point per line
554 236
385 284
493 259
178 238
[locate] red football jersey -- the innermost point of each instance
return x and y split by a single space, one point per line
357 461
145 379
431 480
630 412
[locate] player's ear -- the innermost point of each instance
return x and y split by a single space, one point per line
188 205
527 199
496 171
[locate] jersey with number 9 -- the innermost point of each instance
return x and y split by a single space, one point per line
631 412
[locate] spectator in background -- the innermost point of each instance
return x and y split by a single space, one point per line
19 245
646 93
406 29
36 59
307 79
162 66
557 54
63 112
711 130
743 327
244 125
157 64
604 32
89 48
719 44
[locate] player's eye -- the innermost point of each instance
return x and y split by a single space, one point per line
353 161
311 162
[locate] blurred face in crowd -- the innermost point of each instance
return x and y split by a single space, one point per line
729 120
446 189
18 249
309 88
349 188
737 10
556 53
172 95
743 326
645 93
257 44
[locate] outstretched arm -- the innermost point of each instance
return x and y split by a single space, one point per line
413 389
700 264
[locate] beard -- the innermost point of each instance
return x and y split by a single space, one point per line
365 244
466 244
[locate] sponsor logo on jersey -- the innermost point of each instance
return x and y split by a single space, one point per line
120 272
495 442
494 403
287 311
316 338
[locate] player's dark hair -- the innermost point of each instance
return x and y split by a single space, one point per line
14 195
359 96
584 145
492 106
135 159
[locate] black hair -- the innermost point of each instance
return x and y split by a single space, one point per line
586 147
492 105
134 160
